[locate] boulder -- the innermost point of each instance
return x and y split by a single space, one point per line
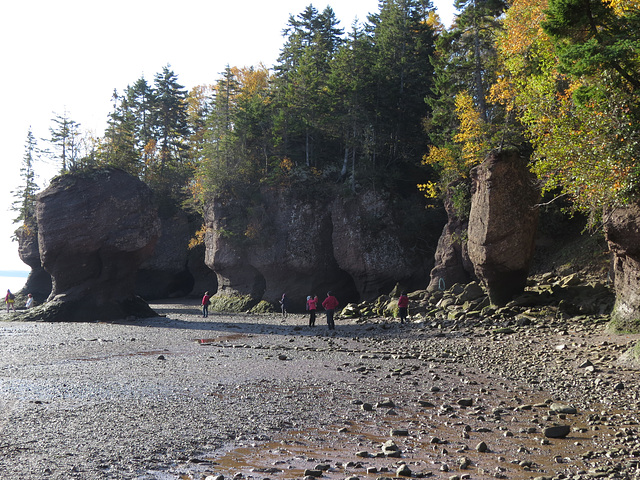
95 228
502 224
622 230
452 264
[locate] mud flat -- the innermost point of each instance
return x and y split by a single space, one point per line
182 397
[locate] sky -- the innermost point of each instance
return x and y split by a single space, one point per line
70 55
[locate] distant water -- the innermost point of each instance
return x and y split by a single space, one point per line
13 281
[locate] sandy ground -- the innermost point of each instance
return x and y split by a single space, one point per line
182 397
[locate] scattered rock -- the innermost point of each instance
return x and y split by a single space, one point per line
559 431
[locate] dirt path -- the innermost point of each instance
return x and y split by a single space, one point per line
184 397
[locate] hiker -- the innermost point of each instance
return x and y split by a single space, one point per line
283 305
403 305
312 305
29 303
206 301
10 300
330 303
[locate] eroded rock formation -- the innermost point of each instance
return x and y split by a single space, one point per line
95 229
308 245
622 229
502 223
452 264
165 274
39 281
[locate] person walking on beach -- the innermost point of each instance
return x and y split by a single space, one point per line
10 300
330 303
312 305
283 305
206 301
403 305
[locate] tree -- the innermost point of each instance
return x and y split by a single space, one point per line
25 196
403 42
312 40
66 141
582 116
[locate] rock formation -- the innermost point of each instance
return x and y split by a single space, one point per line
308 244
622 229
452 264
165 273
39 281
502 224
95 228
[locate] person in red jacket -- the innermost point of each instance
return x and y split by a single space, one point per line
206 301
330 303
403 305
312 305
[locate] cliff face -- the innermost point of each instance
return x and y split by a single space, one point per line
622 229
307 246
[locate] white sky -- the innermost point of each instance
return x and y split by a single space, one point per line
59 55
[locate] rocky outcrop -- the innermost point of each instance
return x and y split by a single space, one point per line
368 246
38 282
502 224
277 247
95 228
452 264
204 279
165 274
307 245
622 230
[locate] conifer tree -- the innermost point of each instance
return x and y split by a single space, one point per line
25 195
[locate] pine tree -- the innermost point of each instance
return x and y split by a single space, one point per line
25 196
66 141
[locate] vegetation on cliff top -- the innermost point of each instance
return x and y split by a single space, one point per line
364 108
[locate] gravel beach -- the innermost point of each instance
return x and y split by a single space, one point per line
262 397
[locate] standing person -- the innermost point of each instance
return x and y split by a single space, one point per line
283 305
29 303
312 304
206 301
330 303
10 300
403 305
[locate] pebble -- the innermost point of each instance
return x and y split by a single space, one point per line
403 471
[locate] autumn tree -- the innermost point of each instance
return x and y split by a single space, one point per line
575 97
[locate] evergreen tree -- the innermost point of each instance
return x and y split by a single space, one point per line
301 79
66 142
25 196
403 42
171 125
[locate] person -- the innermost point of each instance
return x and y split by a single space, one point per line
10 300
206 301
283 304
29 303
330 303
403 305
312 304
